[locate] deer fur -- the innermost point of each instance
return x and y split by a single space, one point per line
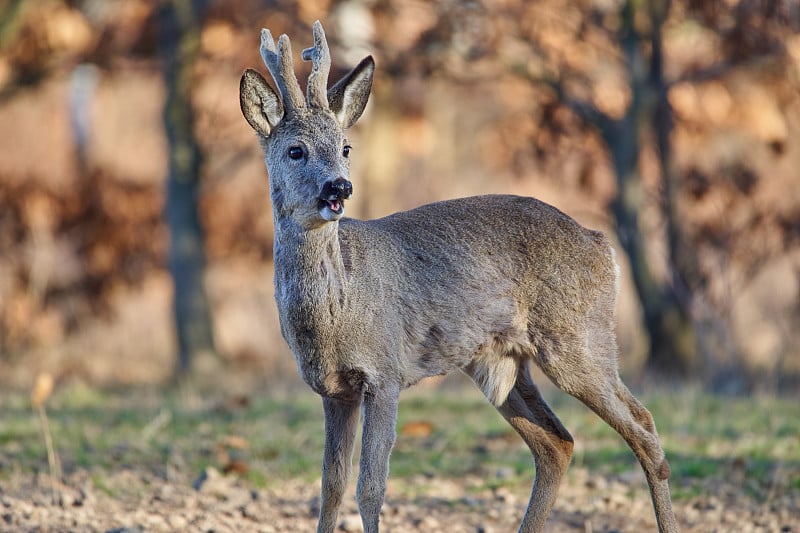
484 285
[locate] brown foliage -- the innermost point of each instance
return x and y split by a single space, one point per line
65 252
469 97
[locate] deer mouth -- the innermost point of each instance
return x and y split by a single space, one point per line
331 201
334 205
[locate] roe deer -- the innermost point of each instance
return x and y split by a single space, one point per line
483 285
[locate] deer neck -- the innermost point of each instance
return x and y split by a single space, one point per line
310 276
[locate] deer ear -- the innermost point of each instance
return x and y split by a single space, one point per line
348 98
260 105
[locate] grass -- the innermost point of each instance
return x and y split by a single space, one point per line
707 438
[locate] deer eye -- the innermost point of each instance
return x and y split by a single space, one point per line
295 152
346 150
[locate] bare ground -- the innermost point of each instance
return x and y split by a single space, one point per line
133 501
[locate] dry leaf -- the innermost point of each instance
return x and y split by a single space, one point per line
416 428
42 389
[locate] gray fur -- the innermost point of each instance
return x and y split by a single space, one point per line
483 285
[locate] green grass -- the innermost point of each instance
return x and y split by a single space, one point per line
708 438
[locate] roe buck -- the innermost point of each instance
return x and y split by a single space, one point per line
483 285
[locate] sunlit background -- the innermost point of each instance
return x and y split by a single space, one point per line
674 126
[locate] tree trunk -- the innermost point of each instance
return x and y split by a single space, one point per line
683 268
668 324
179 42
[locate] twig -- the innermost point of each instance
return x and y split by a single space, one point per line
52 459
157 424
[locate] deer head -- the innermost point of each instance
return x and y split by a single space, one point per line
303 139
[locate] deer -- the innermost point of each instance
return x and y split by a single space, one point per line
485 285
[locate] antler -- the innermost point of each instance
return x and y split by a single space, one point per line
279 62
320 57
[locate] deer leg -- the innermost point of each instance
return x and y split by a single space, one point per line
639 431
341 422
605 394
380 418
549 442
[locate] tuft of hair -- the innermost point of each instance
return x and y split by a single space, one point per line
496 375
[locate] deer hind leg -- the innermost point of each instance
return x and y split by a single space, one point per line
550 443
594 380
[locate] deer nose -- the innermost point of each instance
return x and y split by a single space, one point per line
341 188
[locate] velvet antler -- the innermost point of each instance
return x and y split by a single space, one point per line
279 62
320 57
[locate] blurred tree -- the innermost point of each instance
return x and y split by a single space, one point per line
666 306
751 33
179 23
647 119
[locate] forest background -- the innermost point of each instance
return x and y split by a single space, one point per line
672 125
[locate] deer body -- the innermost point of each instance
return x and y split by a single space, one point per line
441 287
483 284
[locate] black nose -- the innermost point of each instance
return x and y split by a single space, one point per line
340 188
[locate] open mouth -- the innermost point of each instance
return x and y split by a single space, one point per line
335 205
331 200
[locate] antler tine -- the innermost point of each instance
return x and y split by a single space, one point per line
320 57
279 62
267 43
294 92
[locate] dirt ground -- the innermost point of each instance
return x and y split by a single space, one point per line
130 501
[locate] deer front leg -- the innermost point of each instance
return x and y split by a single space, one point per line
380 417
341 422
